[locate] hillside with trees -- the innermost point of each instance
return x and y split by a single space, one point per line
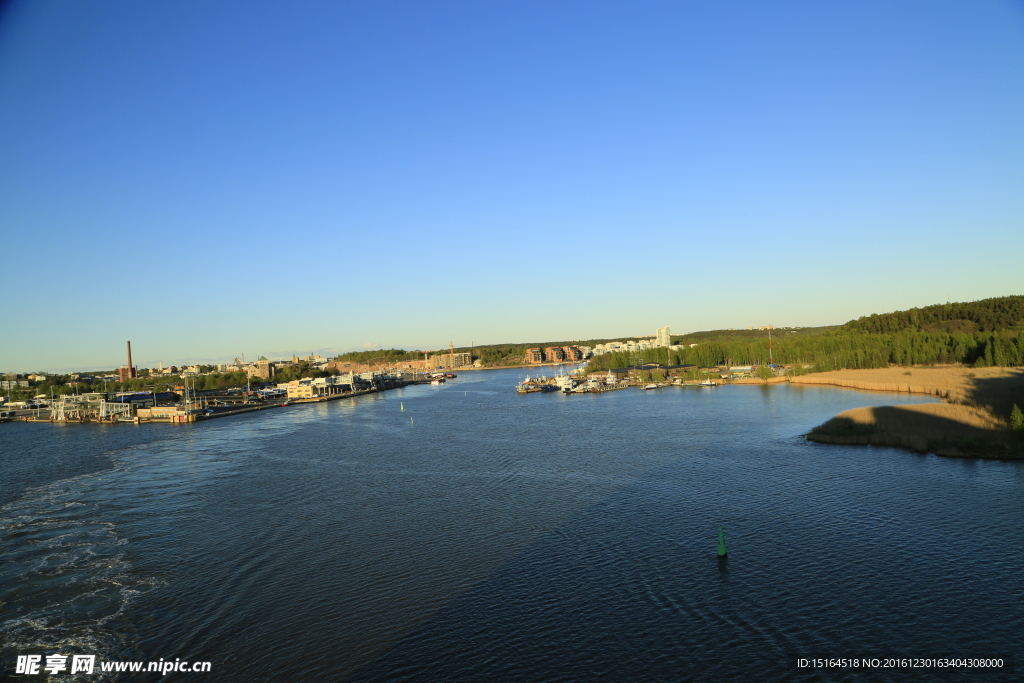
987 315
980 333
379 356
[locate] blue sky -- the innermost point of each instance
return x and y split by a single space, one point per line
215 178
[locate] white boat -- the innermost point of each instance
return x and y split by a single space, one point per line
650 386
438 381
565 383
708 383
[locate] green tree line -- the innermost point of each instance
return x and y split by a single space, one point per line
987 315
837 350
379 356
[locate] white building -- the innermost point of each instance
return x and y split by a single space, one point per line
663 338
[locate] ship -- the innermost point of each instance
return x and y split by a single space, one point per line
530 386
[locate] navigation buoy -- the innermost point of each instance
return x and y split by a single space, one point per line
722 552
412 421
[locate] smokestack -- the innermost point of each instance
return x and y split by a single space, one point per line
131 372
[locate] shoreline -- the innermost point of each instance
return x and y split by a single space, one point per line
970 422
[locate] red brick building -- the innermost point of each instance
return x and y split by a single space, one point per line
572 353
553 354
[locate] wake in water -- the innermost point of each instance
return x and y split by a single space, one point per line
64 575
66 579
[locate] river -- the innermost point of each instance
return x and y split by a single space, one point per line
467 533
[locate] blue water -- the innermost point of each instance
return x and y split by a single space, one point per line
485 536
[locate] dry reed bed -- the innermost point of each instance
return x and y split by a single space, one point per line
972 421
755 380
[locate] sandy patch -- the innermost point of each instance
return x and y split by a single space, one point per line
973 421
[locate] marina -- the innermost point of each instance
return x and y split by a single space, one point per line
597 383
104 408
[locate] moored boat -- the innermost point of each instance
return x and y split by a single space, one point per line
530 386
565 383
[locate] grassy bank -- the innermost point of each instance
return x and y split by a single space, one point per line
972 421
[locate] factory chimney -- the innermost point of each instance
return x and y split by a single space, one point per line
131 368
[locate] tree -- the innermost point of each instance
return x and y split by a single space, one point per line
765 373
1017 419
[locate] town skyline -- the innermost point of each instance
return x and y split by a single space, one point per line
661 337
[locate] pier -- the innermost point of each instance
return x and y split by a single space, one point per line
93 409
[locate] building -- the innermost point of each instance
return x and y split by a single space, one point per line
663 338
534 356
572 353
398 366
452 360
320 386
264 369
629 346
299 391
554 354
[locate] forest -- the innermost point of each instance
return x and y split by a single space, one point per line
981 333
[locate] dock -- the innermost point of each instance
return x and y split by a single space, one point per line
192 412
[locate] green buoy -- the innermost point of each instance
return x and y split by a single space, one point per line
722 552
401 407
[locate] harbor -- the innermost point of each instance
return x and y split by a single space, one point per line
597 383
140 407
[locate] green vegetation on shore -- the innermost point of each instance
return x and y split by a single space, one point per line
981 333
379 356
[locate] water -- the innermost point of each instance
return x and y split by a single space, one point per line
480 535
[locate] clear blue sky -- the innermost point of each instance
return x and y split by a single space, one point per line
215 178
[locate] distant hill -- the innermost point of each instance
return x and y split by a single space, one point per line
748 335
980 333
987 315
